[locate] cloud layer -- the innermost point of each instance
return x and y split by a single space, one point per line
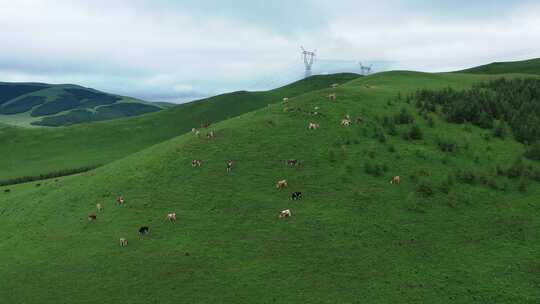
163 50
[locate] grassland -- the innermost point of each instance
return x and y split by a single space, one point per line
353 238
30 152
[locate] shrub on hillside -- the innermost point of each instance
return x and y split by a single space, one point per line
500 129
533 151
404 117
414 133
375 169
59 173
446 144
425 189
466 176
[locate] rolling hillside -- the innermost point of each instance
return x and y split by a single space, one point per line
457 229
531 66
30 152
41 104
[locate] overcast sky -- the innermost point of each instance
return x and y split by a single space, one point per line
178 50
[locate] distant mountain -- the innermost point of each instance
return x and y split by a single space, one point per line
66 104
531 66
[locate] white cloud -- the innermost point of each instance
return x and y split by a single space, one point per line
152 50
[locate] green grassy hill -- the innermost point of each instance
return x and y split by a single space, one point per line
38 104
438 237
531 66
30 152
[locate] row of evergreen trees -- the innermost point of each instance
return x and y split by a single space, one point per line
498 104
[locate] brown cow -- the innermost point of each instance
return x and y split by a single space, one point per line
332 97
92 217
395 180
282 184
120 200
171 217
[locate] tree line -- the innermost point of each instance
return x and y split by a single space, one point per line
501 105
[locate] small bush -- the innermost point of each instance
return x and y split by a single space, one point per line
500 129
379 135
425 189
59 173
533 151
414 133
446 144
466 176
523 184
375 169
430 122
404 117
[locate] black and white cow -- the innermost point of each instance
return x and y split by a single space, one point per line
296 196
144 230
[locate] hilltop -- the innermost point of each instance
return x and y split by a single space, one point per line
35 151
460 227
40 104
531 66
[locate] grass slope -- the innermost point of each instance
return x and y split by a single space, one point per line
354 238
531 66
29 152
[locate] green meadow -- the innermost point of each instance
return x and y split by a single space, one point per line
457 229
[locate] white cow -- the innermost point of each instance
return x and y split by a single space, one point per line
285 213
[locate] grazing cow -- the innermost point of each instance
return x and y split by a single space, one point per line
313 126
359 120
99 207
335 85
120 200
230 164
292 162
144 230
171 217
285 213
346 122
282 184
92 217
285 99
7 191
210 135
332 97
123 242
395 180
296 196
196 163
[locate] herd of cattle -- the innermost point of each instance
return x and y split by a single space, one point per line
281 184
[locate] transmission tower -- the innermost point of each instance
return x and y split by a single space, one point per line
309 57
365 70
